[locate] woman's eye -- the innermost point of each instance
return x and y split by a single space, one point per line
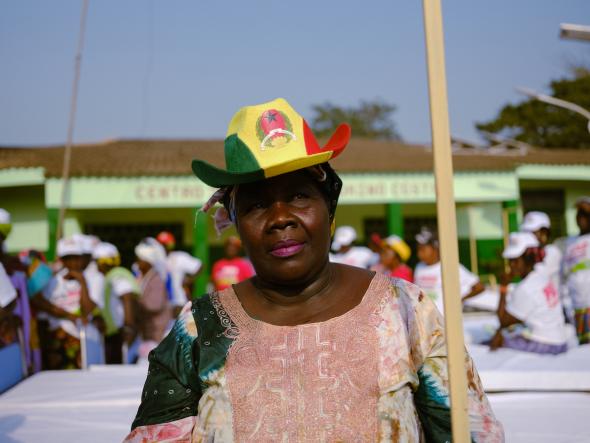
299 196
255 205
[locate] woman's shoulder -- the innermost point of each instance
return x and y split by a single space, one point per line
401 289
211 315
409 299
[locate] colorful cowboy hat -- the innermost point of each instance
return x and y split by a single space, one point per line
267 140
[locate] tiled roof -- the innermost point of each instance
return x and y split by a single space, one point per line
173 157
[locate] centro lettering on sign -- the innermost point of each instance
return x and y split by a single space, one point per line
363 189
168 193
383 189
411 189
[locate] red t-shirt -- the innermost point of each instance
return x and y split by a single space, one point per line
227 272
404 272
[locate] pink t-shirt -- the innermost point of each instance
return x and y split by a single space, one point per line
404 272
227 272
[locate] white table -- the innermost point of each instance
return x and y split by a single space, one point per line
99 405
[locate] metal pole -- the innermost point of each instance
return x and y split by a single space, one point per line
83 344
72 122
23 355
472 241
447 223
574 32
557 102
125 353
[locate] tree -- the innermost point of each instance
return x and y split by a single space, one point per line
370 119
544 125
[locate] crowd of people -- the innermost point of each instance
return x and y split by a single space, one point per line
545 288
88 291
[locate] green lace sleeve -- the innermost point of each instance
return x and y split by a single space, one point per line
172 390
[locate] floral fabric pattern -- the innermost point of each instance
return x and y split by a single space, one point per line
243 396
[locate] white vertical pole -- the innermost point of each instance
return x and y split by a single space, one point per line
447 223
72 122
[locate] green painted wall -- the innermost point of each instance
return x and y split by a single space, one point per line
29 218
201 251
173 199
354 215
572 193
485 220
489 255
395 219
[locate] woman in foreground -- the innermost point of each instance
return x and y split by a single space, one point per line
307 350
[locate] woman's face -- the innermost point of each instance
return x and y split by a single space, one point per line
583 218
389 258
144 266
285 227
73 262
428 254
518 267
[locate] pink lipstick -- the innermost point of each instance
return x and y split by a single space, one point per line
286 248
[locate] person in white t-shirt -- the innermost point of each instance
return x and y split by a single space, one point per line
121 291
346 253
94 279
576 271
66 300
183 269
539 224
428 273
8 294
8 321
533 303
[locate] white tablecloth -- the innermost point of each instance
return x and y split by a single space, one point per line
99 405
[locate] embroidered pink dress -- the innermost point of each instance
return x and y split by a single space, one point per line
375 373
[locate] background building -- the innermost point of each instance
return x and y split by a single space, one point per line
125 190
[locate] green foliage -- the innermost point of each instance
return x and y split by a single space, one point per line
370 119
544 125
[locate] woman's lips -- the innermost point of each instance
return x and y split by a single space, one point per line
286 248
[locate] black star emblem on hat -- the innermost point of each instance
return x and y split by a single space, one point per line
271 116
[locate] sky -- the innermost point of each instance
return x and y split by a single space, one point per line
181 68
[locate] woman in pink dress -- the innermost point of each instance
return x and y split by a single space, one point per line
394 254
306 350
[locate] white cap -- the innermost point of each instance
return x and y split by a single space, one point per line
427 236
4 217
87 242
519 243
583 200
68 246
105 250
344 236
535 220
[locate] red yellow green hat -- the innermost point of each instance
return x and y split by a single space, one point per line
267 140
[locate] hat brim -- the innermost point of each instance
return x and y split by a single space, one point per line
582 201
218 177
532 226
513 252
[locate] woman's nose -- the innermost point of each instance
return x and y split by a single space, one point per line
280 217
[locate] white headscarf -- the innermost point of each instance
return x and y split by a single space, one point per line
151 251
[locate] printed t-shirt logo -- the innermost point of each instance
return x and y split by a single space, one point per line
274 129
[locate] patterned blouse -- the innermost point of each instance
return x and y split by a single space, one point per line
376 373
